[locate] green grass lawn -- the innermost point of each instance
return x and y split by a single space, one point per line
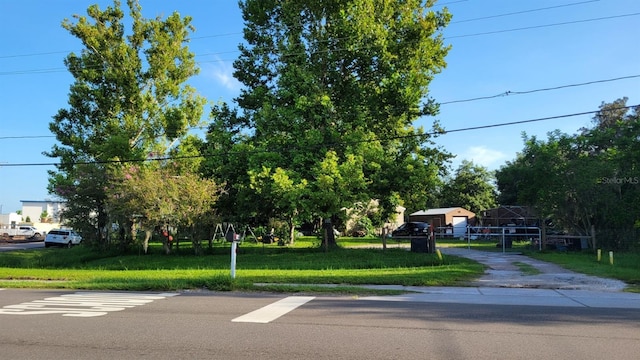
276 266
356 262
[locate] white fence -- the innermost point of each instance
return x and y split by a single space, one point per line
504 235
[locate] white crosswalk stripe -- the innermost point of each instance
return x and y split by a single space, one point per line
273 311
83 304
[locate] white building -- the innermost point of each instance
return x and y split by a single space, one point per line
7 220
34 209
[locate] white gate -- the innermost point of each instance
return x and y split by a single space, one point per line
459 226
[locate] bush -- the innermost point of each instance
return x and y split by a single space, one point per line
618 239
363 227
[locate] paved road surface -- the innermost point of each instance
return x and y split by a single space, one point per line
209 325
9 246
500 317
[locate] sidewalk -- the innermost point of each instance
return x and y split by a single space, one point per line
504 284
511 296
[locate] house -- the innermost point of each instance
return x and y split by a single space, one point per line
35 209
455 217
10 220
359 210
510 214
43 214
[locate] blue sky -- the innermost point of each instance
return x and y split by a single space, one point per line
497 46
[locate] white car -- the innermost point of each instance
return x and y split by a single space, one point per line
62 237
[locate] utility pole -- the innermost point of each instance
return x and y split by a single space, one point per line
1 162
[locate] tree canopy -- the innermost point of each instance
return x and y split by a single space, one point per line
325 118
129 102
583 180
471 187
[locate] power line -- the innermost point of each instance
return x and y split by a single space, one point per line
533 120
504 94
522 12
240 33
51 70
192 38
542 26
26 137
434 133
35 54
507 93
70 51
450 2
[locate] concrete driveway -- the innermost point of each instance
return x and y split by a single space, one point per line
504 284
504 273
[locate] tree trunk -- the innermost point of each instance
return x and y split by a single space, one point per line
145 244
126 237
166 242
166 245
328 237
196 242
121 236
384 238
103 229
292 231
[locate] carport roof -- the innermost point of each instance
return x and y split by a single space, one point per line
438 211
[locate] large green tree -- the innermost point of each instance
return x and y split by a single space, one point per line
129 101
471 187
331 91
585 180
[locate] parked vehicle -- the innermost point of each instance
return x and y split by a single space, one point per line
62 237
413 228
27 231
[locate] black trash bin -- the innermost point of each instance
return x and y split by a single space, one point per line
508 244
420 244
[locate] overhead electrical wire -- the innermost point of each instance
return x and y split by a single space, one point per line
26 137
240 33
434 133
504 94
542 26
51 70
522 12
508 93
534 120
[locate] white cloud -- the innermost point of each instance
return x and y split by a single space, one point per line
222 73
481 155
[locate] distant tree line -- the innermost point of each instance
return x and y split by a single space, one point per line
584 181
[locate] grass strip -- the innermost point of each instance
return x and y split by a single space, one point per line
526 269
309 267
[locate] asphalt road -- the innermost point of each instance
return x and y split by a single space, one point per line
46 324
9 246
